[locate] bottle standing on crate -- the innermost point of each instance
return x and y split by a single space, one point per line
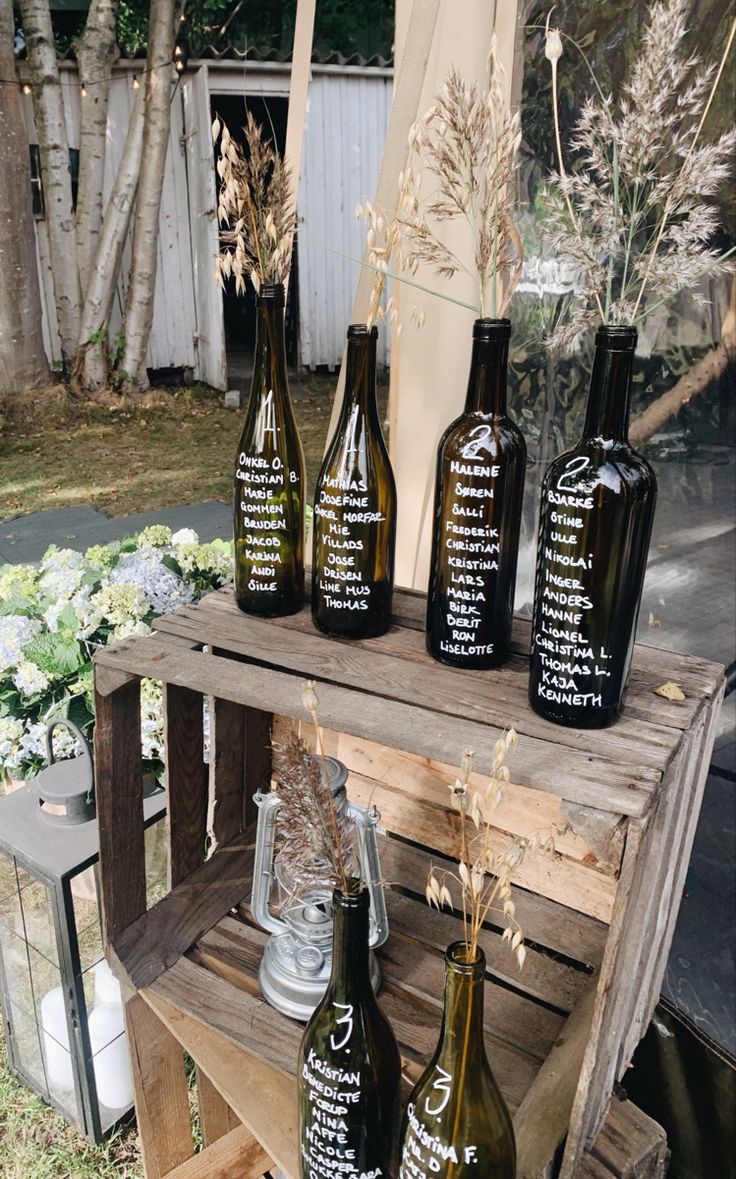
595 523
481 464
349 1065
355 509
268 499
457 1125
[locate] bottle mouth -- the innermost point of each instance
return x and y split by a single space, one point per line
617 337
272 292
456 960
357 896
492 330
361 331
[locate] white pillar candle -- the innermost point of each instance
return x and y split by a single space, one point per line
107 987
56 1054
110 1061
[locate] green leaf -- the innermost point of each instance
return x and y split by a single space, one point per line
55 653
18 605
67 619
172 564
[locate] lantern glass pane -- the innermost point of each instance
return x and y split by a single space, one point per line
87 917
27 913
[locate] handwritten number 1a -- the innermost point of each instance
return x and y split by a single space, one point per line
347 1019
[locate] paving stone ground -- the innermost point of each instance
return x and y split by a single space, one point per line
688 605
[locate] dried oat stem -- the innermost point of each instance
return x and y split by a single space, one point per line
255 208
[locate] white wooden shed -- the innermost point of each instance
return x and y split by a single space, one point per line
347 114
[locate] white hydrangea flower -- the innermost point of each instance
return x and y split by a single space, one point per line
207 558
152 720
133 626
185 536
33 741
155 534
165 590
29 679
11 732
120 603
89 616
18 581
16 632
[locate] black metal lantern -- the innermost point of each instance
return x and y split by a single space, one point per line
61 1005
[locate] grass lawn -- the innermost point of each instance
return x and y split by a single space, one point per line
166 448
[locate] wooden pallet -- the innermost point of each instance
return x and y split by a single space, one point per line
598 916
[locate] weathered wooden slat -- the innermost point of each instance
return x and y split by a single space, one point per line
231 953
650 665
160 1084
542 1119
397 665
565 881
117 742
264 1100
215 1115
543 977
150 945
237 1153
407 963
225 818
549 925
584 778
257 753
521 811
186 781
630 1143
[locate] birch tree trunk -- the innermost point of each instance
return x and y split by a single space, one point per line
139 303
90 371
23 363
95 50
53 151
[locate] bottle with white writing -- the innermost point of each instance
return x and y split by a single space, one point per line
349 1065
481 462
355 509
457 1125
596 516
268 500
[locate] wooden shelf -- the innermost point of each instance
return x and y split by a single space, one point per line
598 915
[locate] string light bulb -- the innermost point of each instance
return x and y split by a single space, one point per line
136 84
25 88
83 91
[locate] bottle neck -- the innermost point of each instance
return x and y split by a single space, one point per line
269 362
487 381
360 377
350 954
462 1036
607 416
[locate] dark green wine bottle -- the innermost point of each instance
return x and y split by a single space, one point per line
355 509
349 1065
481 462
457 1125
268 500
595 523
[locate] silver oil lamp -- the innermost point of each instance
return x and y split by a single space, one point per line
297 960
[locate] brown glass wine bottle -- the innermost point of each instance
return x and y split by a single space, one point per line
268 500
457 1125
355 509
595 523
481 463
349 1065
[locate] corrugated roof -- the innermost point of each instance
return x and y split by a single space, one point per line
232 53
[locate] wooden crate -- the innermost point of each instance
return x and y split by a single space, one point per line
598 916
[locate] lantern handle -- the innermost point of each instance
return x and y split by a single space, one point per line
268 805
86 751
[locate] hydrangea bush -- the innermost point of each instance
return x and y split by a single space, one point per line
54 616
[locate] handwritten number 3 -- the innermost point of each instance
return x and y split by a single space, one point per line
442 1083
347 1019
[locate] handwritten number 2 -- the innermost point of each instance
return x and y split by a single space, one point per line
347 1019
442 1083
575 467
